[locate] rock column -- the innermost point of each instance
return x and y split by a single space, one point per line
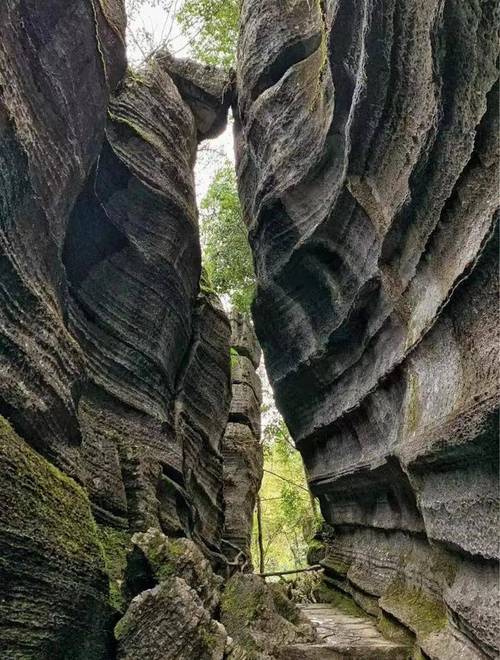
241 447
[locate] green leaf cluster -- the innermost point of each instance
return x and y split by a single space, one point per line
289 518
212 28
226 253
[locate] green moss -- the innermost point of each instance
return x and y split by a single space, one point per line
122 628
62 578
415 609
392 630
141 77
243 601
206 285
315 544
98 43
336 566
234 356
413 408
55 510
240 604
163 557
209 640
115 544
283 604
340 600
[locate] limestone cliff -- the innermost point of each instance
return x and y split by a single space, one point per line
114 363
368 170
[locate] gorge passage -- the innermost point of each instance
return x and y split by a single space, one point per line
366 137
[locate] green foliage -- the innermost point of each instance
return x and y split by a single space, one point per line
226 252
212 27
289 520
208 27
234 357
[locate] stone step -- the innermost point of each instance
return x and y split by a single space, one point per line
343 636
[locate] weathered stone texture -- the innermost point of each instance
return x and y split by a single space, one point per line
169 622
113 365
171 616
260 618
53 585
368 166
51 131
208 91
133 298
241 448
201 409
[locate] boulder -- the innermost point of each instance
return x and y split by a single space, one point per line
260 618
167 622
179 558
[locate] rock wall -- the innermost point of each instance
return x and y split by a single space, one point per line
114 364
241 448
367 138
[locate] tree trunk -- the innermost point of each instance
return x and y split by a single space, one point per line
259 535
308 569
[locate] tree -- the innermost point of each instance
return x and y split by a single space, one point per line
212 26
288 517
226 252
151 24
204 29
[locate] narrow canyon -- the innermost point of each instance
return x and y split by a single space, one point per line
367 159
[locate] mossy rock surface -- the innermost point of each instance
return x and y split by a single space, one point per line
53 583
116 544
169 622
260 618
416 609
168 558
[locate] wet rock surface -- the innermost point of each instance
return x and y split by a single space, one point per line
367 159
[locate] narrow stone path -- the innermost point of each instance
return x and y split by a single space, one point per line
343 636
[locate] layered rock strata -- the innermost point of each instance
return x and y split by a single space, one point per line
241 448
368 166
178 608
173 616
51 132
114 364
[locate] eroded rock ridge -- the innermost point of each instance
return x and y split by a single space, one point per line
367 140
115 372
